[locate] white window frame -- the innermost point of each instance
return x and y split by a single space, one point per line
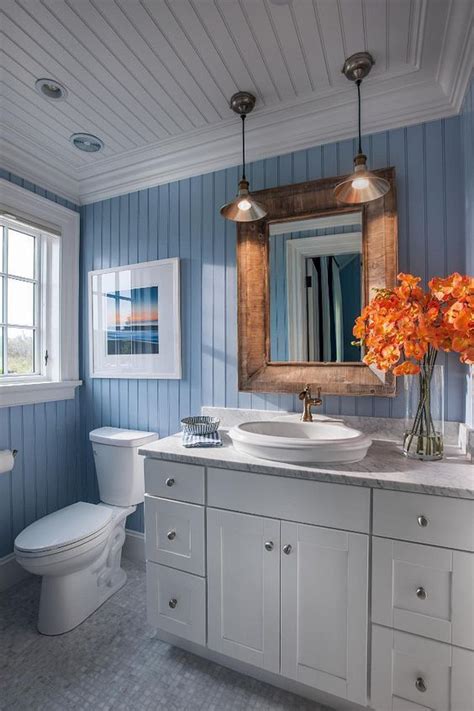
60 317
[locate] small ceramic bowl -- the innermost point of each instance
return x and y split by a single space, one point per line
200 425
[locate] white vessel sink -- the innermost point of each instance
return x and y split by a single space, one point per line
323 441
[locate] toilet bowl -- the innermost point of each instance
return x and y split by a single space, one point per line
77 550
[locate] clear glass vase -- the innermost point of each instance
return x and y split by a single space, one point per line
424 411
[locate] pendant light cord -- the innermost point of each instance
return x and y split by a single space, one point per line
358 83
242 116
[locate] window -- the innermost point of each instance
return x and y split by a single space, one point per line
39 243
21 293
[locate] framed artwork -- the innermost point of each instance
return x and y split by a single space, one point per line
134 321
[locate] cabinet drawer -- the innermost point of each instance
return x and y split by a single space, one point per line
176 602
314 502
424 590
174 534
172 480
421 518
410 673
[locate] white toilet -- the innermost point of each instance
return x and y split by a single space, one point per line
78 549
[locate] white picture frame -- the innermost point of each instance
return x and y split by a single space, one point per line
135 321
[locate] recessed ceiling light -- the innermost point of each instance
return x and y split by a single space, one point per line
51 89
86 142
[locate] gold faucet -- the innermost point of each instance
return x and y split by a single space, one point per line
309 402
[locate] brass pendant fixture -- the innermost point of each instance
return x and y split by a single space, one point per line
243 208
362 185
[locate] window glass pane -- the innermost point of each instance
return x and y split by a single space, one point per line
21 302
2 315
1 248
1 350
20 351
21 254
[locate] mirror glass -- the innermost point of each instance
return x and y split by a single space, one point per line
316 288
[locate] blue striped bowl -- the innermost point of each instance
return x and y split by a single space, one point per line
200 425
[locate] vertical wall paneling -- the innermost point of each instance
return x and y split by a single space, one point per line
467 137
47 468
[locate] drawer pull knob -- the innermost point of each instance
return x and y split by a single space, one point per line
172 603
170 481
421 593
420 684
269 546
422 521
171 535
287 549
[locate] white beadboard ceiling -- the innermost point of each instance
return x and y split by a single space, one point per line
153 79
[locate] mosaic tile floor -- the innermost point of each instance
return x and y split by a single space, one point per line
113 661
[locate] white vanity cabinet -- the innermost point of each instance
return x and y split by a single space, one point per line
271 574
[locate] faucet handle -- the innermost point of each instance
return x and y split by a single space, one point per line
305 393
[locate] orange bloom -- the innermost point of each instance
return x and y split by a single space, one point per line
400 325
406 368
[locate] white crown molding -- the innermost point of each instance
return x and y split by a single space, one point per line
402 99
37 166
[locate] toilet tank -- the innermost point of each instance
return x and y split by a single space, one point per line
118 465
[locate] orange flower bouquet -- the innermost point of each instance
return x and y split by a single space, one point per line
402 329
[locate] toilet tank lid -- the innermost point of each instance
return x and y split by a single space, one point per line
120 437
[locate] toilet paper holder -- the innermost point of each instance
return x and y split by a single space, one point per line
14 453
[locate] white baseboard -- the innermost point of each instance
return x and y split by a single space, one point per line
134 546
11 572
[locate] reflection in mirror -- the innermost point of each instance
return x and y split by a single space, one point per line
316 287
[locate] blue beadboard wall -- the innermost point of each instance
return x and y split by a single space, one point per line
467 135
47 472
182 219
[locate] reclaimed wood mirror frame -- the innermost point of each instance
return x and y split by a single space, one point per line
257 373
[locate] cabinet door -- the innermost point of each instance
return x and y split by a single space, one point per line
244 587
423 590
324 582
411 673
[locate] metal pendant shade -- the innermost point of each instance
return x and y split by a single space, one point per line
243 208
362 185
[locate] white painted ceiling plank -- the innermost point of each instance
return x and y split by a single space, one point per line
352 23
243 57
68 113
259 20
192 65
76 79
375 14
122 37
331 32
93 52
305 18
290 44
51 134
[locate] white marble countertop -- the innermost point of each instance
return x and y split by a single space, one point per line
384 467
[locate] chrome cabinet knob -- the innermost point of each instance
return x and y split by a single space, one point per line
422 521
287 549
420 684
172 603
171 535
169 481
421 593
269 546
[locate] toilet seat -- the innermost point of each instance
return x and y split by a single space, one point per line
64 530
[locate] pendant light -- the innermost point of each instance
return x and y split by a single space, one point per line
362 185
243 208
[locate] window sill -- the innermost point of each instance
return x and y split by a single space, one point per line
12 394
